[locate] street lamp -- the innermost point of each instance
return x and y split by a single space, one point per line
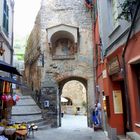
1 48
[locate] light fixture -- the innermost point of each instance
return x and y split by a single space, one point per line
1 48
40 61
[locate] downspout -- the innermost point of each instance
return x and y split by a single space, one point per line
129 125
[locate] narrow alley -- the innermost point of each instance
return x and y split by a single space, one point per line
74 127
69 69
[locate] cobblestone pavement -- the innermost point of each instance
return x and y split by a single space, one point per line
73 128
65 134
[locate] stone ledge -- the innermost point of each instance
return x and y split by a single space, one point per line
133 136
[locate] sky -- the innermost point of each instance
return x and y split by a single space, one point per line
25 12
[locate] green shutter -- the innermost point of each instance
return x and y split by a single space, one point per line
6 18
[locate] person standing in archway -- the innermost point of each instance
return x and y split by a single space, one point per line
94 118
99 115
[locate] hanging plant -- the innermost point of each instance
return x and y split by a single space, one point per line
128 7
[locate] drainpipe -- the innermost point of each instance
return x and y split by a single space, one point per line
129 125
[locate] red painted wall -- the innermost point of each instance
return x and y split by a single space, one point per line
133 52
115 120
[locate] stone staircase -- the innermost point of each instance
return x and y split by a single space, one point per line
26 110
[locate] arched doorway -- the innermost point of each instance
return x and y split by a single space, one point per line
73 102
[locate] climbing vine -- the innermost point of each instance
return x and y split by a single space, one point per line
128 7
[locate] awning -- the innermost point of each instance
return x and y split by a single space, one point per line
11 80
63 99
8 68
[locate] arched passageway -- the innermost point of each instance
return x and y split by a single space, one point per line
73 102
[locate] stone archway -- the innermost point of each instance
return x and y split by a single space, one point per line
61 84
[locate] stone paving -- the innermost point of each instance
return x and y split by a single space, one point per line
73 128
65 134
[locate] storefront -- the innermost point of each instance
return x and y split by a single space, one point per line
9 129
114 92
123 106
7 99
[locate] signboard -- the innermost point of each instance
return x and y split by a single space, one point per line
46 104
117 100
104 73
113 66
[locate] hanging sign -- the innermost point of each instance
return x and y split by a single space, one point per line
113 66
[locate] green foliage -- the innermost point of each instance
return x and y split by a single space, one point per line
19 47
128 7
84 104
20 56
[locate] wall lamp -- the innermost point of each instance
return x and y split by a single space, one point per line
100 43
1 48
40 62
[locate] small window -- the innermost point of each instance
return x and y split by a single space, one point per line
78 108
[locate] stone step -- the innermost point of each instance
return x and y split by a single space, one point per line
133 136
121 137
28 110
28 119
44 127
40 123
27 101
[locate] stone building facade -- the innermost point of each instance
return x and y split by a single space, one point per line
6 31
62 41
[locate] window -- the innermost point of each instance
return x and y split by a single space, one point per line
5 17
114 5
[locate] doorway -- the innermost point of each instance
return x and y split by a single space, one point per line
124 105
